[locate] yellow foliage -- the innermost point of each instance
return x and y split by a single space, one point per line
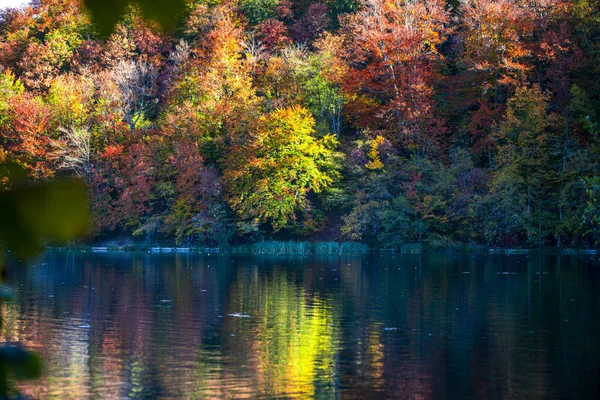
70 96
268 178
375 162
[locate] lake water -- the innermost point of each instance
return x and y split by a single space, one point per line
120 325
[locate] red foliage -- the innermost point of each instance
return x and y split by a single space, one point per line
314 21
11 51
38 42
122 185
284 9
136 39
194 180
26 135
484 122
392 50
273 34
88 55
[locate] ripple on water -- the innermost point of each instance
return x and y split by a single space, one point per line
381 326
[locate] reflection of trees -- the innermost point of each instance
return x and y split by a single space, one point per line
293 336
317 327
104 329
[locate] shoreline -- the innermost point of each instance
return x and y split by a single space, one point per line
283 249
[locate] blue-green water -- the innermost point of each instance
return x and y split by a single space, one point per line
120 325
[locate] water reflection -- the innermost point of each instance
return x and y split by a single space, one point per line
168 326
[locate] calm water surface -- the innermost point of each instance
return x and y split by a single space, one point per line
189 326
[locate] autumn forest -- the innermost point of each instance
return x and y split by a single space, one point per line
387 122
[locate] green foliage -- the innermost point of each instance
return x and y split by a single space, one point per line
302 248
522 166
218 226
10 86
364 221
322 96
499 215
182 218
398 224
340 7
270 177
591 216
258 10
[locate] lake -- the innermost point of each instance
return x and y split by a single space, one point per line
135 325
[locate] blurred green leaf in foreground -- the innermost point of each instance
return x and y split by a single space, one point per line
106 13
31 215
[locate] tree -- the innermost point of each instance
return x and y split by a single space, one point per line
197 212
135 82
122 190
321 77
39 43
392 50
314 21
493 34
74 150
467 120
26 134
269 178
523 163
591 215
165 13
214 99
10 89
258 10
273 35
71 99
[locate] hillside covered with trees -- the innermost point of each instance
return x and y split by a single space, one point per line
380 121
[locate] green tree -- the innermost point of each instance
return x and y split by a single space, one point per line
258 10
268 178
518 191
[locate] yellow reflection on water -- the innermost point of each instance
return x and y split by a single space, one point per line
292 339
